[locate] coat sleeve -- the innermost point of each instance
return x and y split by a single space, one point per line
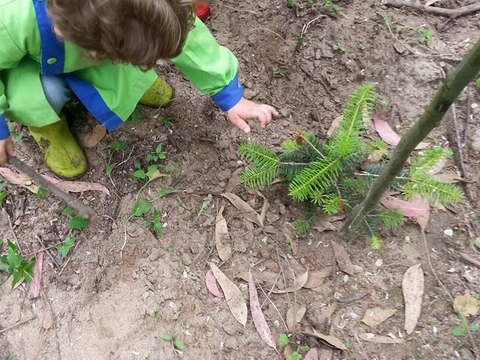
10 56
211 68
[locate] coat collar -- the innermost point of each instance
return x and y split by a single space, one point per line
53 50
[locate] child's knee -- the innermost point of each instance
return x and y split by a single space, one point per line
56 91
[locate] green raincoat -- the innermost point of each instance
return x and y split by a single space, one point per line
29 47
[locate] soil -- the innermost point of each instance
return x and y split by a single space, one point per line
122 287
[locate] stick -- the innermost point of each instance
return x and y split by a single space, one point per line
453 13
82 210
469 258
17 324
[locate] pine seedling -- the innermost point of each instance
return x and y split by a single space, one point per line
329 175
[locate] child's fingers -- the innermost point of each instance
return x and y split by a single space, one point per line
240 124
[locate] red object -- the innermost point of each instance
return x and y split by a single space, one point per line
202 10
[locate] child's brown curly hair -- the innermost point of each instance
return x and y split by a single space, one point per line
139 32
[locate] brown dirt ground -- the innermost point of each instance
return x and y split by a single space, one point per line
101 303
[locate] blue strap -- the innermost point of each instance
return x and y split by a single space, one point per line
230 95
93 101
4 132
53 50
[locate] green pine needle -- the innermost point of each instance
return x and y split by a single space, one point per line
259 178
264 167
331 204
314 179
433 190
302 227
392 218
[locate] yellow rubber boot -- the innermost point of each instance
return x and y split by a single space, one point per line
159 94
62 154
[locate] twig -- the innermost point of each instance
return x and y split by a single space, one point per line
474 347
46 249
13 232
84 211
453 13
470 259
274 306
17 324
362 350
273 32
305 27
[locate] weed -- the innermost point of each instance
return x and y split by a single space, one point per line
283 340
3 193
173 338
300 41
465 327
426 36
42 194
154 223
202 211
338 47
13 263
385 18
165 122
477 242
65 247
116 146
78 223
136 117
302 227
159 155
291 3
181 203
330 5
477 83
16 136
11 356
325 176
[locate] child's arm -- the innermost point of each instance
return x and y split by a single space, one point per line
10 56
213 69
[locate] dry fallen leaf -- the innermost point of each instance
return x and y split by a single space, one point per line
300 282
335 124
221 232
257 314
246 209
265 206
328 339
18 179
448 177
413 285
343 260
377 315
430 2
316 278
77 186
233 295
326 354
211 283
293 319
234 180
35 286
466 305
312 354
379 339
95 136
388 134
411 209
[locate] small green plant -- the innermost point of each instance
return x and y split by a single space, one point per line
202 211
283 340
465 327
300 41
385 18
425 36
327 176
174 340
291 3
65 247
477 83
477 242
42 194
338 47
154 223
165 122
136 117
13 263
159 155
11 356
115 147
330 5
3 193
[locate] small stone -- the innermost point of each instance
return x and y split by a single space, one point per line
231 343
224 175
239 245
271 217
303 261
186 259
286 113
448 232
281 209
318 54
154 255
223 144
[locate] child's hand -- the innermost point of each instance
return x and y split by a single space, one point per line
6 147
246 109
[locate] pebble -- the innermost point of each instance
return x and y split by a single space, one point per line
271 217
154 255
186 259
224 175
231 343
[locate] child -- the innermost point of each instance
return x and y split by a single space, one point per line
100 51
